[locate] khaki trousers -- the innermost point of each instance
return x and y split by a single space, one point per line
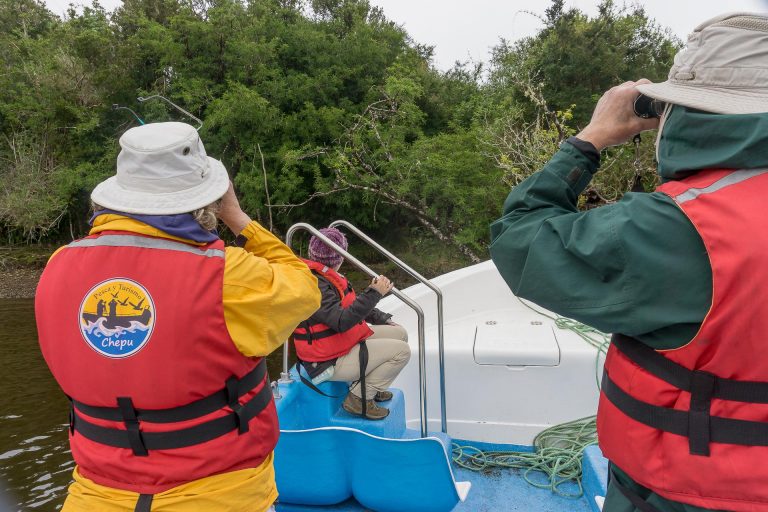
388 353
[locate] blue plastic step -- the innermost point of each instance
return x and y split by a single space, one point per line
393 426
303 408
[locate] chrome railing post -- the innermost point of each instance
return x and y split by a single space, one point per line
397 293
426 282
285 375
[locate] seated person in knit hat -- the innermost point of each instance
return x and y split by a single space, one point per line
336 342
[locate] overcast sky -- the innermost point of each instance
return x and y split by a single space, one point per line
467 29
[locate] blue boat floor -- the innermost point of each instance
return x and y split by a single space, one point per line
507 490
497 490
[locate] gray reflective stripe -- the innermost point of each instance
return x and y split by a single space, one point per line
144 242
731 179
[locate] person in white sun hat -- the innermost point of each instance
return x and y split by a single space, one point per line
157 333
679 275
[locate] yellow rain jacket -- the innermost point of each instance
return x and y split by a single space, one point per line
267 292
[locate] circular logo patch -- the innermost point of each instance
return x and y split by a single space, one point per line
117 317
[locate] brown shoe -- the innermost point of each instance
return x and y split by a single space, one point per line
383 396
354 405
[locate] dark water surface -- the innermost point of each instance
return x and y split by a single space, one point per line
35 462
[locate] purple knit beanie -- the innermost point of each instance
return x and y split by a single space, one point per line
321 253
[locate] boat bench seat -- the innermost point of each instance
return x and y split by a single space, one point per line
326 456
329 465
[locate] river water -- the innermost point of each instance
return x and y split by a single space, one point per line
35 461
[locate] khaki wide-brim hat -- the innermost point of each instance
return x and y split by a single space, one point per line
162 169
723 69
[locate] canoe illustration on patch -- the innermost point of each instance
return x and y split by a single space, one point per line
117 317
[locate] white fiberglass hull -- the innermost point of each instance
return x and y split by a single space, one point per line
510 372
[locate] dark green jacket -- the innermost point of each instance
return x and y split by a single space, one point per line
637 266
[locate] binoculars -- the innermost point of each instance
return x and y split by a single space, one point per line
647 107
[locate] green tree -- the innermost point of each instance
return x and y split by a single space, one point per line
575 58
318 108
48 113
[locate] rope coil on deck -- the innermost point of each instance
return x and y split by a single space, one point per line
557 454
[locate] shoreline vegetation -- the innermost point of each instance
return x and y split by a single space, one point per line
319 109
22 265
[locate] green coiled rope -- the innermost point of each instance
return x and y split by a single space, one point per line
558 450
557 455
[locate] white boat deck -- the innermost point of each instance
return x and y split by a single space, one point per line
510 371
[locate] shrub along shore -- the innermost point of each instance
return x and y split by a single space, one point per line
319 109
21 265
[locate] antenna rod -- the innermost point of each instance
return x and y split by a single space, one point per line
143 99
115 106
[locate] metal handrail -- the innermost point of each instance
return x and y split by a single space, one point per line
426 282
286 377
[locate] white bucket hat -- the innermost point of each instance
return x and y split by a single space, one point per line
161 170
723 69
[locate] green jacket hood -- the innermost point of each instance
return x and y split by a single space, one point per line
692 140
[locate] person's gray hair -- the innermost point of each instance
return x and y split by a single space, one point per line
207 216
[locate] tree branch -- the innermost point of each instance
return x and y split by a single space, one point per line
266 185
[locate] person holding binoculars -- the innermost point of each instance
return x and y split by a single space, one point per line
171 405
678 274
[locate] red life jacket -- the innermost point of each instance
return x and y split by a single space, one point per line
132 328
317 342
691 424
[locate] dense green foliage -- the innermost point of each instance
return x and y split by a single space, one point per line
575 58
320 109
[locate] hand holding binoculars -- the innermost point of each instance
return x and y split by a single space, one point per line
647 107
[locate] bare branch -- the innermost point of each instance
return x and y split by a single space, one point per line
421 215
314 195
266 186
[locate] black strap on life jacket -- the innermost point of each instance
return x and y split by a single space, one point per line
190 411
144 503
140 442
310 336
125 404
363 353
309 383
697 424
363 358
